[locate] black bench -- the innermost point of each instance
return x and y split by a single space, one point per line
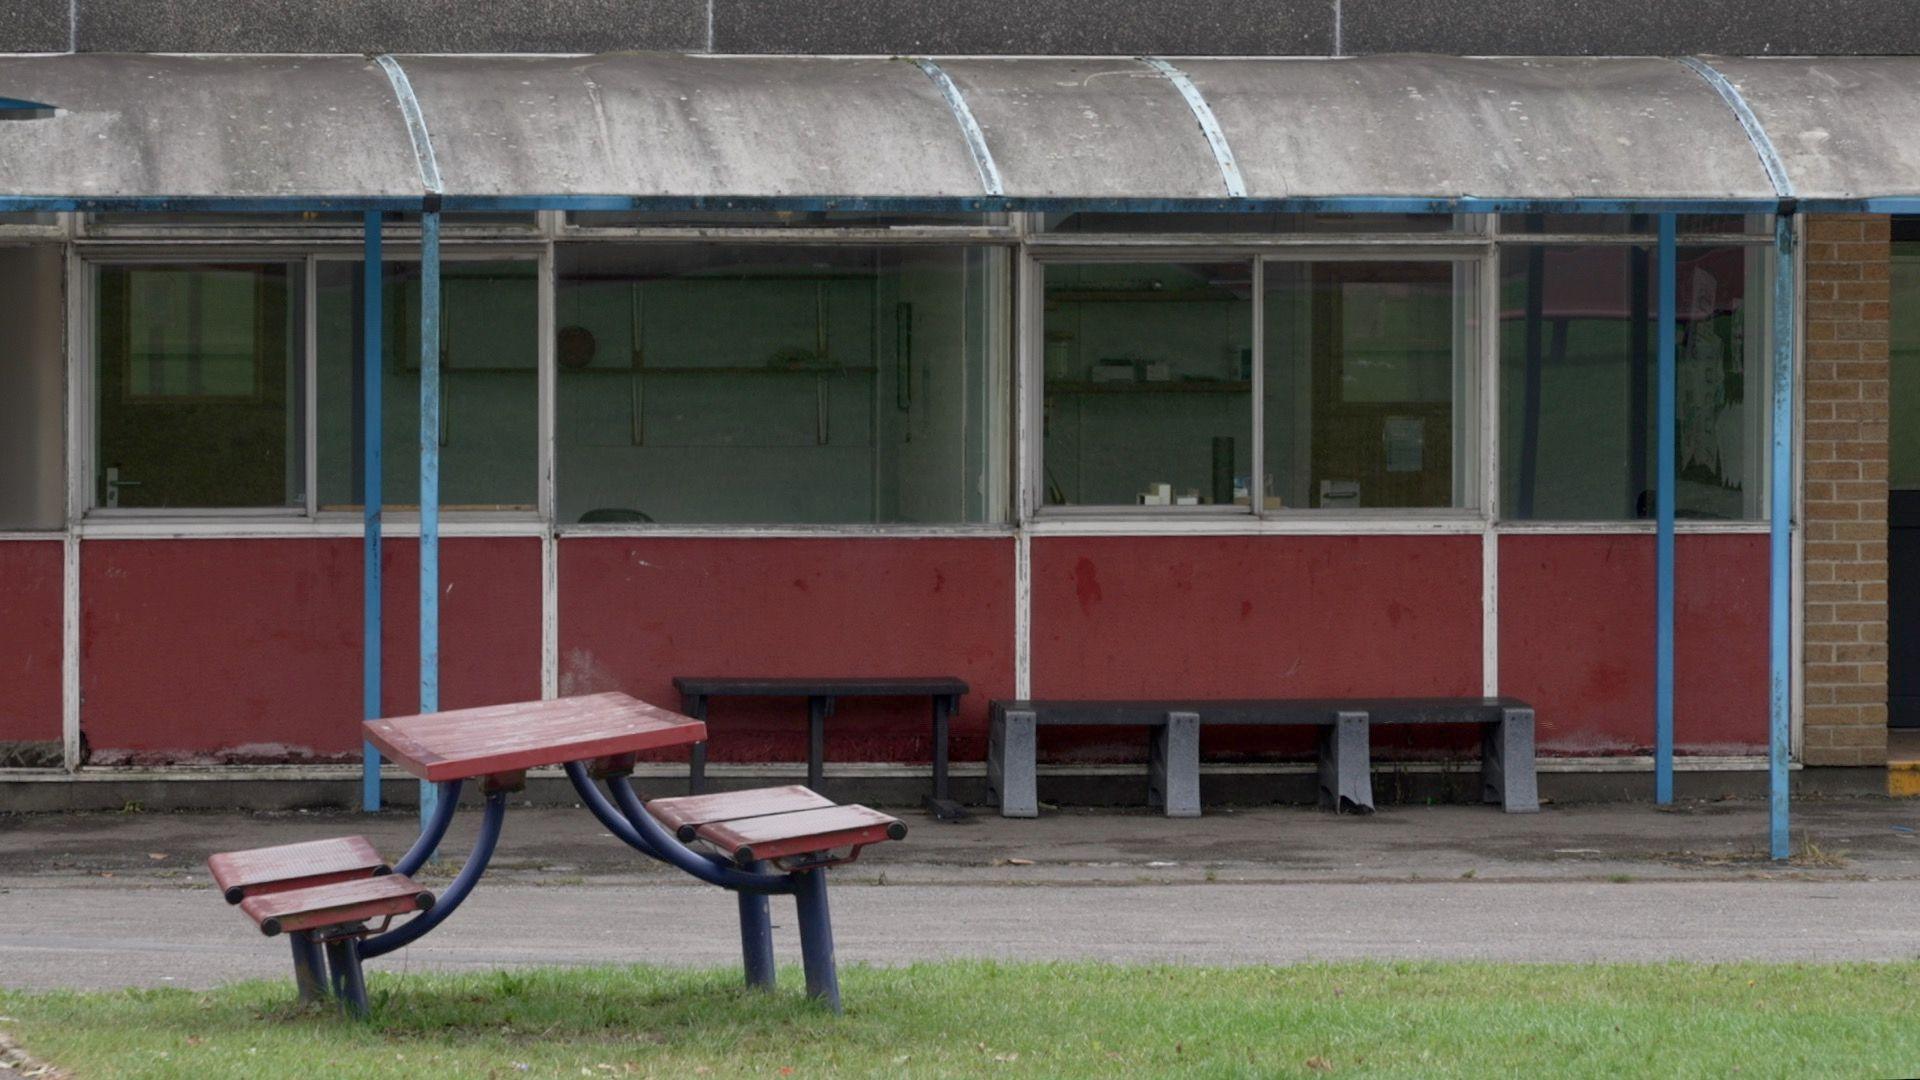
944 691
1346 778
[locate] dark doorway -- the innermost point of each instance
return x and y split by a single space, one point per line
1903 506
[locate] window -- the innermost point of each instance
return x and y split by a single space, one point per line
1366 369
1363 372
1148 383
1578 330
33 375
776 219
197 386
793 385
1233 222
489 385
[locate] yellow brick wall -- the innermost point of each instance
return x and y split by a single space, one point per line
1848 290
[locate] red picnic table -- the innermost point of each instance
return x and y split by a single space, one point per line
755 843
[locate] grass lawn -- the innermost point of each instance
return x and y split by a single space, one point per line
993 1019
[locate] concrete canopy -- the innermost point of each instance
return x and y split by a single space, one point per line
141 130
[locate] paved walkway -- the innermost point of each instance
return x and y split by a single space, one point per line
112 900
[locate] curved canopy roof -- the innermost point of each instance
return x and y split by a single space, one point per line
634 129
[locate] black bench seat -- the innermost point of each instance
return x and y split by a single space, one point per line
1173 746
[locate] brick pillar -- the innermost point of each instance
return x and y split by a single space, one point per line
1848 290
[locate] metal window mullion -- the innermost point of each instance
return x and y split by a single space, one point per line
1257 458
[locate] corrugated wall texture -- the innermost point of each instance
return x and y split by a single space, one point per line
634 613
1849 274
249 650
1577 630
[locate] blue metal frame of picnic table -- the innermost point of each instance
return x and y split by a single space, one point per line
626 817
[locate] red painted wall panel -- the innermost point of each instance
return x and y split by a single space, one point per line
30 598
1576 639
636 612
1253 616
249 650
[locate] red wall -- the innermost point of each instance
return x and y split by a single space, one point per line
634 613
30 603
1253 616
249 650
1576 639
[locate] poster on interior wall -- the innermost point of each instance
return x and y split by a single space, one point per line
1406 443
1710 396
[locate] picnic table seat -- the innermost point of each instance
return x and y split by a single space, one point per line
323 894
793 827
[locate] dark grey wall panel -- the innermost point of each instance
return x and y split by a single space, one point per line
390 25
1631 27
1097 27
33 25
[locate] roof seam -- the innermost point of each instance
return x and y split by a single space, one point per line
1749 122
416 123
1236 185
969 126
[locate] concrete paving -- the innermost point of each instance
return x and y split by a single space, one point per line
94 900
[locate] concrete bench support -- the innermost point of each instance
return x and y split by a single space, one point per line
1173 765
1012 749
1346 768
1507 764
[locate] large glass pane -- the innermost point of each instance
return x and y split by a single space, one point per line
1365 377
489 384
772 219
197 383
784 385
1149 393
1224 222
33 375
1577 340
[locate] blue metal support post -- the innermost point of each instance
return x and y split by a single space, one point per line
429 481
371 498
1663 545
1779 534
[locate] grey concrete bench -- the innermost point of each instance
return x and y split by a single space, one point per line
1346 775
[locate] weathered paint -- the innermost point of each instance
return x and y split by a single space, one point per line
249 650
30 641
1254 616
1576 639
636 612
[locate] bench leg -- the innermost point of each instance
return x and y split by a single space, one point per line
695 706
816 938
309 968
1173 765
1346 768
349 983
818 708
756 935
1010 763
1507 772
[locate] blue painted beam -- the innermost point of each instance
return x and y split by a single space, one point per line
1780 543
372 498
429 481
1664 511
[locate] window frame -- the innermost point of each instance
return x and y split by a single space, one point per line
1468 247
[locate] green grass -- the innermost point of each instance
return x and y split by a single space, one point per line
1008 1020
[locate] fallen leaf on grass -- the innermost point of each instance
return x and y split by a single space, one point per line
1319 1064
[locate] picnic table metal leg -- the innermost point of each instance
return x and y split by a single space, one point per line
349 982
817 710
1507 769
450 899
1346 771
309 968
1173 765
1011 750
941 802
816 938
756 934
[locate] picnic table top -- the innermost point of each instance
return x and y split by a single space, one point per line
830 686
465 743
